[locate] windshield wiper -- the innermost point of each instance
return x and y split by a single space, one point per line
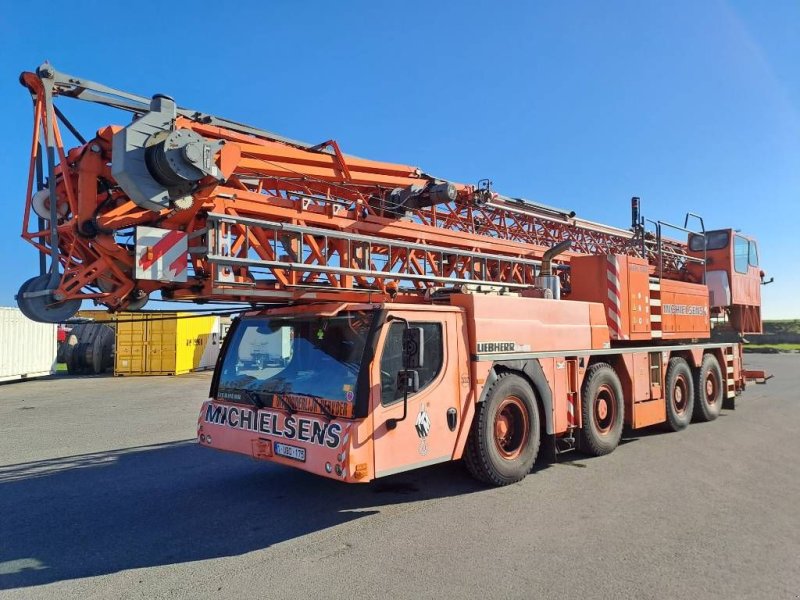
256 397
320 405
252 396
288 405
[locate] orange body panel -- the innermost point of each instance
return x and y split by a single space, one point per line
649 413
402 448
531 324
644 404
621 284
563 376
245 430
639 368
556 374
684 310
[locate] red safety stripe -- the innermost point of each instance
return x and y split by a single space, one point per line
161 248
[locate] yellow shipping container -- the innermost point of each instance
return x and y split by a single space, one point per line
98 315
165 343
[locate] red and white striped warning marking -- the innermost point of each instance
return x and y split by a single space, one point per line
161 254
655 309
613 302
572 401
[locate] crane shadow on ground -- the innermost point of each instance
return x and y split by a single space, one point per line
101 513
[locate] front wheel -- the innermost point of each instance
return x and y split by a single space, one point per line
504 439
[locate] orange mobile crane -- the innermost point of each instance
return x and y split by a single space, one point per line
395 319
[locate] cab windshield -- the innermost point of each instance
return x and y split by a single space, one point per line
297 363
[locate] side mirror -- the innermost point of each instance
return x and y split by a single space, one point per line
408 382
413 343
408 378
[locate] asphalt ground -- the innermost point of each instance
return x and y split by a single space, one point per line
103 494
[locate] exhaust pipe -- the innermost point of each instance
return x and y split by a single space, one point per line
546 280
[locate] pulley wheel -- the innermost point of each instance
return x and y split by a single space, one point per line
44 308
40 203
138 303
23 304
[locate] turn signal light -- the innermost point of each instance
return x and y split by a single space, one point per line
361 471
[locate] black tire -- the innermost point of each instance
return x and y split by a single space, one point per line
679 394
602 410
102 349
504 440
709 388
97 355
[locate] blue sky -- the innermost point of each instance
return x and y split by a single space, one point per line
692 105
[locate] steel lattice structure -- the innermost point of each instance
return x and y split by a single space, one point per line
269 219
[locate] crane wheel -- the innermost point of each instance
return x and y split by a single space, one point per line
43 307
602 410
679 394
709 386
505 435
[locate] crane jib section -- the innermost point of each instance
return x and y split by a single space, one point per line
197 207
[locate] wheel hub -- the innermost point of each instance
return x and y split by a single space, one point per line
511 428
680 395
602 408
502 427
711 389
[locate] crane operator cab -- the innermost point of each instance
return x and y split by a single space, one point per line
732 275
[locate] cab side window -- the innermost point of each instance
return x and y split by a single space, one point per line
753 254
392 359
741 252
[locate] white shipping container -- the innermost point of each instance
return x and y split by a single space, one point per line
27 348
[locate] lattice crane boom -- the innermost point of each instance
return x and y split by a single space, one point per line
201 208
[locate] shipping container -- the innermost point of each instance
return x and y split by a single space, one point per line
99 315
165 343
27 348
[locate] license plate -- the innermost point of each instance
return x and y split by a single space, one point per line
292 452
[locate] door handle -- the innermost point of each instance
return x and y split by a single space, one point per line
452 418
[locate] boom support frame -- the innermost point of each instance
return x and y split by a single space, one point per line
285 220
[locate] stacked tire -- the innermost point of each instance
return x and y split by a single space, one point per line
89 349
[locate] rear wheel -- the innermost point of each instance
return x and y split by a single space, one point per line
504 440
708 385
679 394
602 410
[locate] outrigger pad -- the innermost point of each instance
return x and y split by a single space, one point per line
760 377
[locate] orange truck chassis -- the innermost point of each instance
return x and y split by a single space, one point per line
501 391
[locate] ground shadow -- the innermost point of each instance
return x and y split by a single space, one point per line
139 507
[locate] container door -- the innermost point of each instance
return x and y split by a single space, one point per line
161 344
131 346
425 436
